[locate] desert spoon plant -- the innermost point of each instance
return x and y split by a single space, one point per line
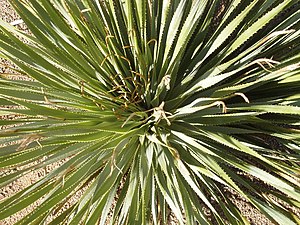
153 107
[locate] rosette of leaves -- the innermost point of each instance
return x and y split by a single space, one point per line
152 107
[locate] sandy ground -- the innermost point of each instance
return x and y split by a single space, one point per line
9 15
